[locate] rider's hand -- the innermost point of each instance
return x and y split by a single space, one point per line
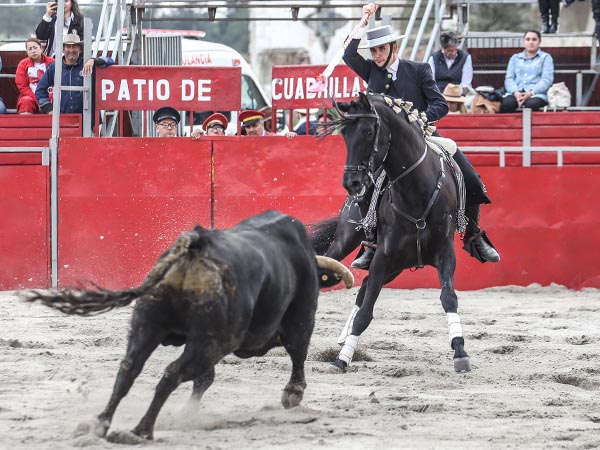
370 9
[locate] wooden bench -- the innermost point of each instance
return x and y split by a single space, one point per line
32 131
548 129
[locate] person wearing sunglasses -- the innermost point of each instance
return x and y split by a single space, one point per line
167 121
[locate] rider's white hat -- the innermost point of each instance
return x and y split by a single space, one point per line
380 35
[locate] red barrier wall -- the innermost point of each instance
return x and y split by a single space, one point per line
24 219
124 200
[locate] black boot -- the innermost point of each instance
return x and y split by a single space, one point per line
476 242
545 24
363 260
553 25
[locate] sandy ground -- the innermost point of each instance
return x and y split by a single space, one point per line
535 382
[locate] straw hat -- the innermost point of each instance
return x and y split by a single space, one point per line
453 93
72 39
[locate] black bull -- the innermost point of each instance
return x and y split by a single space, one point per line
243 290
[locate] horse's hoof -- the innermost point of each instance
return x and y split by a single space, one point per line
462 365
337 366
125 437
292 396
93 426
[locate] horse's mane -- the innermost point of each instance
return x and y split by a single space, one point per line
399 106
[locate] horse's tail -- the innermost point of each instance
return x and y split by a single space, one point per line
97 300
321 234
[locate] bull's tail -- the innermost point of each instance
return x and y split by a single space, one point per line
322 234
97 300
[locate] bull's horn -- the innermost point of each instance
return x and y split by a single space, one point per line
325 262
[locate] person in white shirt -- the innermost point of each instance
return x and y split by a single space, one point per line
450 64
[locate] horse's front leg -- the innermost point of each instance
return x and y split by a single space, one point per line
446 268
370 290
347 236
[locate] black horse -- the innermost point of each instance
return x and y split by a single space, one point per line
417 210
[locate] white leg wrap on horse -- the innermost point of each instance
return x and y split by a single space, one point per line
347 351
454 328
348 327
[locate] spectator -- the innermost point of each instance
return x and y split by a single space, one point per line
214 125
311 119
528 77
167 121
46 29
253 124
73 71
29 72
450 64
455 99
2 106
330 114
549 12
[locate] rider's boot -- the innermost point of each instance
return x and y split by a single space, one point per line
476 242
366 253
363 260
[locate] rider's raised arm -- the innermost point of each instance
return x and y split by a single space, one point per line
354 60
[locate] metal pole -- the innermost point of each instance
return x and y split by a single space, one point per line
88 113
526 137
58 39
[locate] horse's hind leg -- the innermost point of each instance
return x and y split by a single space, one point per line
462 362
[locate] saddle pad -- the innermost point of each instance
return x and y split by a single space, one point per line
435 142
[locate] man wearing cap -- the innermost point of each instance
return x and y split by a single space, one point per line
166 120
73 71
387 74
214 125
253 124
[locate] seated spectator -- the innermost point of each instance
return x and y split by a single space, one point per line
311 119
214 125
73 71
253 124
450 64
528 77
166 120
73 24
2 106
330 114
29 72
456 101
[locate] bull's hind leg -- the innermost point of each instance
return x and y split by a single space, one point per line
191 365
296 329
446 267
143 340
202 383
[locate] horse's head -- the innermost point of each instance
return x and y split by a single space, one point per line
362 131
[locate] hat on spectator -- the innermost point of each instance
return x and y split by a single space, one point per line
166 112
215 120
250 117
380 35
453 93
72 39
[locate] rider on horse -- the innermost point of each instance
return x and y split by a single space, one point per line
413 82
